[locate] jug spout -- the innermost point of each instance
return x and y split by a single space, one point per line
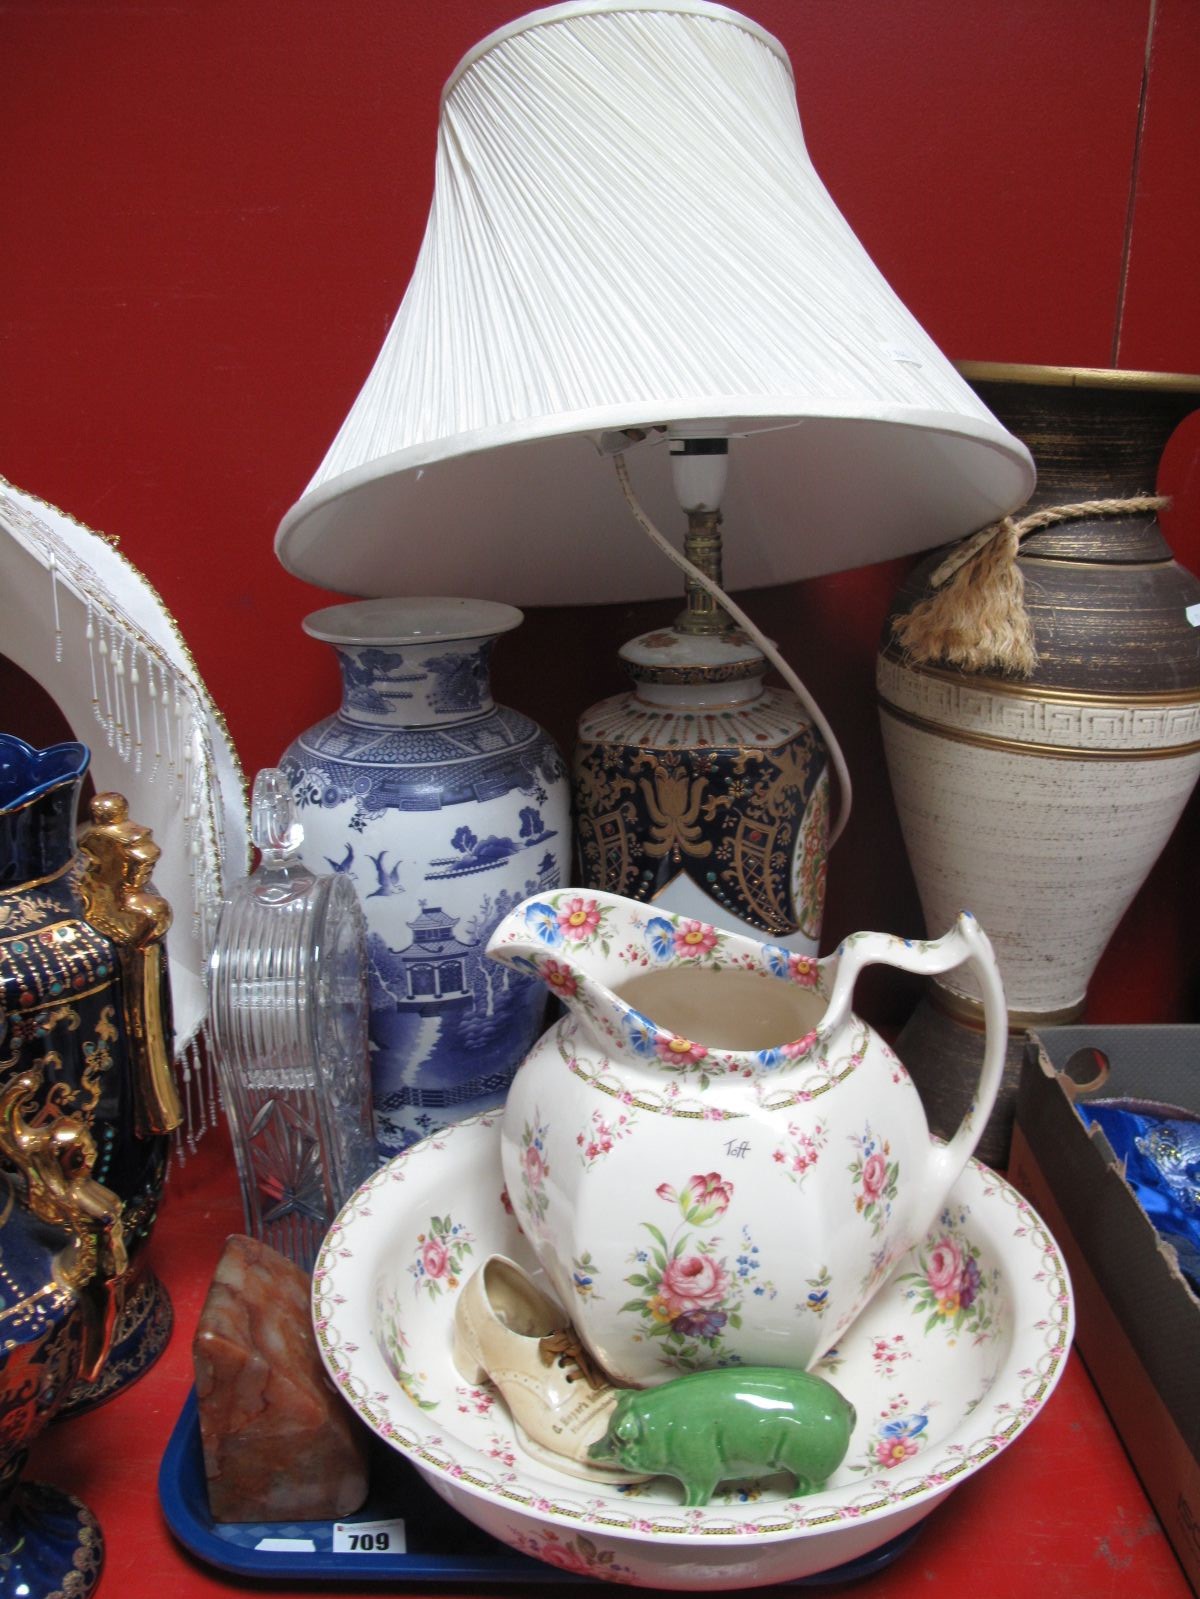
666 993
555 937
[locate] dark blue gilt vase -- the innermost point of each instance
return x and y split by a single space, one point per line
49 1541
62 1266
63 991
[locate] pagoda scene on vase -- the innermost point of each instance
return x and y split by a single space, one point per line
445 811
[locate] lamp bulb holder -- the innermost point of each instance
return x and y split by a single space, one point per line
699 454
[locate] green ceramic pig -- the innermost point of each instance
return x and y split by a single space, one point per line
739 1422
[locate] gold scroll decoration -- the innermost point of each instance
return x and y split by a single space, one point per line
56 1157
121 902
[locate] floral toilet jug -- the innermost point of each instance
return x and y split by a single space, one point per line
715 1160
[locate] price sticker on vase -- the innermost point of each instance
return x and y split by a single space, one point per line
368 1538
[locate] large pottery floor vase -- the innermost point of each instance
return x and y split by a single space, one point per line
444 810
1040 798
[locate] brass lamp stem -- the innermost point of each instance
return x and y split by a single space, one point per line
702 547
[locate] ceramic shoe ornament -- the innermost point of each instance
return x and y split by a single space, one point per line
508 1331
741 1423
715 1161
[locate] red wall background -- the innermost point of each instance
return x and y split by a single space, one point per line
211 210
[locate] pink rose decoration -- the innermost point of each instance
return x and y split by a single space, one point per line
874 1175
579 918
535 1167
800 1046
894 1451
693 1282
559 978
803 969
434 1258
678 1051
945 1267
694 938
711 1193
557 1554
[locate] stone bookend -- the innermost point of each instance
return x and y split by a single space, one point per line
279 1443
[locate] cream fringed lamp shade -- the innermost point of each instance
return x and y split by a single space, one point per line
627 233
80 619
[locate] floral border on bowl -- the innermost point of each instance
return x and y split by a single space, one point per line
854 1503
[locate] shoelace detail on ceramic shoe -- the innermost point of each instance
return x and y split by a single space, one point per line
565 1348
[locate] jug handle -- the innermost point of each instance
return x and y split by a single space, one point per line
966 942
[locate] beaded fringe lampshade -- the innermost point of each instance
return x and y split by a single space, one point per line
81 620
627 232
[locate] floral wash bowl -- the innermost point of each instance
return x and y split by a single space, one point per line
950 1362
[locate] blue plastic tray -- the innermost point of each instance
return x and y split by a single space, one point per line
441 1545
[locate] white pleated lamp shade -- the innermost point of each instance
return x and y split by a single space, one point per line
627 233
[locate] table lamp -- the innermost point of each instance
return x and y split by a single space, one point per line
629 255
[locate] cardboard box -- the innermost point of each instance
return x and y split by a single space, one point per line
1138 1321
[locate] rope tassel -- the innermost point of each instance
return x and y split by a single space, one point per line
976 618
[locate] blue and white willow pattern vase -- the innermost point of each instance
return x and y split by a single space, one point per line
445 810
